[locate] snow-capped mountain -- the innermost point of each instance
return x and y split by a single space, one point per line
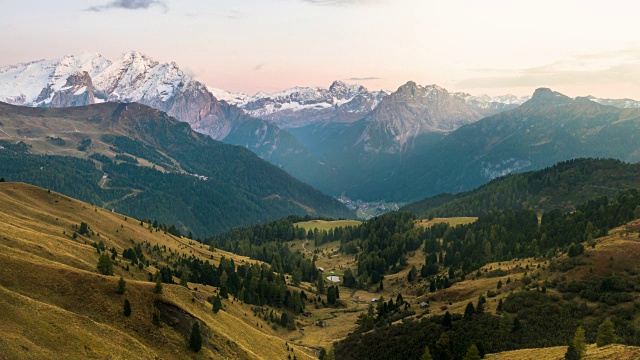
619 103
491 105
77 80
303 106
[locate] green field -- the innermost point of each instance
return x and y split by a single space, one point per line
326 225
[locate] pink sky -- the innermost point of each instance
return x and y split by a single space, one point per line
491 46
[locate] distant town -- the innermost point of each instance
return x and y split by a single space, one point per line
368 210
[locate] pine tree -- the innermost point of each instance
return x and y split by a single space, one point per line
320 284
122 285
158 288
105 266
84 228
217 304
580 342
323 354
469 310
195 341
446 320
427 354
443 347
127 308
606 334
472 353
572 353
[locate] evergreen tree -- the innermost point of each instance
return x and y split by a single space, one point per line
320 282
284 319
606 334
84 228
105 266
427 354
158 287
127 308
296 277
446 320
217 304
580 342
443 348
195 341
572 353
122 285
323 354
472 353
469 310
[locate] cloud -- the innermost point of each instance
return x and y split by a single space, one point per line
615 67
342 2
362 78
259 67
129 5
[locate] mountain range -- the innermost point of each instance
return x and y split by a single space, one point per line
344 140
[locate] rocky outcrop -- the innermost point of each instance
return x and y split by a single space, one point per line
411 111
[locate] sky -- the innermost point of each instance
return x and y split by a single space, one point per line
478 46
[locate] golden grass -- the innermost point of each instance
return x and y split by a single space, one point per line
326 225
78 314
454 221
618 352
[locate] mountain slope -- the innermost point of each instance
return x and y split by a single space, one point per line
149 164
562 186
545 130
51 274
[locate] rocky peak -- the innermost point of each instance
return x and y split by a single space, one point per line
548 97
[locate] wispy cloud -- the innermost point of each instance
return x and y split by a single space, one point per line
259 67
621 66
362 78
129 5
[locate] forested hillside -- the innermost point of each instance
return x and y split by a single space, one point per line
562 186
141 162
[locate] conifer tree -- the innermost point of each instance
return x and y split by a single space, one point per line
105 266
472 353
572 353
195 341
469 310
217 304
122 286
427 354
158 287
127 308
580 342
446 320
606 334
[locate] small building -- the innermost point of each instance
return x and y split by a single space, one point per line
374 300
334 279
424 304
320 269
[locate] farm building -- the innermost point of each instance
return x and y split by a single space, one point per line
335 279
